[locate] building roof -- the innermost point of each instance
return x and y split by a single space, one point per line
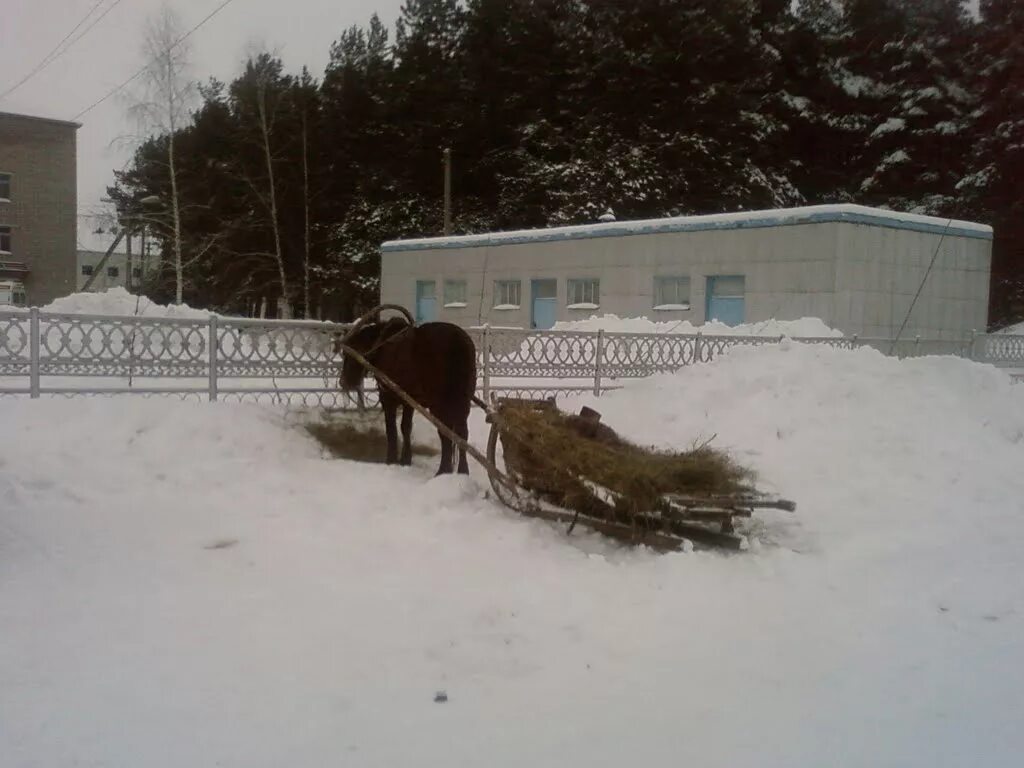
52 121
812 214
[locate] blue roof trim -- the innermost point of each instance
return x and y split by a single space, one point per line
627 229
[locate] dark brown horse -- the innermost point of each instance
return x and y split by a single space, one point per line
434 363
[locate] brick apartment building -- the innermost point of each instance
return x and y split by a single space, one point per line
38 209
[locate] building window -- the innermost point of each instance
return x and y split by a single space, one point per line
5 187
455 293
506 294
12 293
136 272
583 294
113 271
87 270
5 240
671 293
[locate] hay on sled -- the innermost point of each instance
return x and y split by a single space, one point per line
562 457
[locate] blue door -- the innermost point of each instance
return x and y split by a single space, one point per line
725 299
544 307
426 301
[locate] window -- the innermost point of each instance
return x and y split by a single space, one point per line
583 294
455 293
12 293
671 293
5 240
5 187
506 294
87 269
113 271
136 272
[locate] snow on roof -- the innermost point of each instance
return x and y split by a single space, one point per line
812 214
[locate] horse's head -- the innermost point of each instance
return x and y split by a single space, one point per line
367 339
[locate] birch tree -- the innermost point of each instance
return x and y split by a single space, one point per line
259 96
161 105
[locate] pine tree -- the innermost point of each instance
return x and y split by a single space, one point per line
993 188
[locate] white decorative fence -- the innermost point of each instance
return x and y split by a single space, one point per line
282 361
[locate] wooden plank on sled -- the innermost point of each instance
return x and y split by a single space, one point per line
731 502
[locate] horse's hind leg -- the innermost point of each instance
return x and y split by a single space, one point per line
462 430
406 459
391 431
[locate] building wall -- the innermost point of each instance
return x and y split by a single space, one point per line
881 269
41 157
789 273
856 268
116 261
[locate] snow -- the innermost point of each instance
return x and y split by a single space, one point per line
195 585
504 307
771 217
892 125
857 85
670 307
583 305
894 158
808 327
118 301
799 103
1013 330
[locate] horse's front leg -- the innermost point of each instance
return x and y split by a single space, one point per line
445 467
407 414
391 430
463 431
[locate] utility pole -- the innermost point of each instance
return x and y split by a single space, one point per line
128 260
447 192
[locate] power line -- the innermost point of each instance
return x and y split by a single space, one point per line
142 69
921 286
57 52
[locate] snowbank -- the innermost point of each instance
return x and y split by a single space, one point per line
194 585
118 301
1013 330
804 327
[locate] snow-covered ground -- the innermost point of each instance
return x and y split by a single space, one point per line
195 584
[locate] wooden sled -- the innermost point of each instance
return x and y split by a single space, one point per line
674 522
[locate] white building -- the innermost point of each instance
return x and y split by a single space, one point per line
114 272
856 268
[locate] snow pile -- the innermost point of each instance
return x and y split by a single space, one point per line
1013 330
118 301
188 584
807 327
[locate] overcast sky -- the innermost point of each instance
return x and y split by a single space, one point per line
301 31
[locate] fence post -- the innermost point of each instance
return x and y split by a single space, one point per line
33 352
971 350
917 346
212 344
696 349
598 354
486 360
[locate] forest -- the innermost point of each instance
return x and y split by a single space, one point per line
277 189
